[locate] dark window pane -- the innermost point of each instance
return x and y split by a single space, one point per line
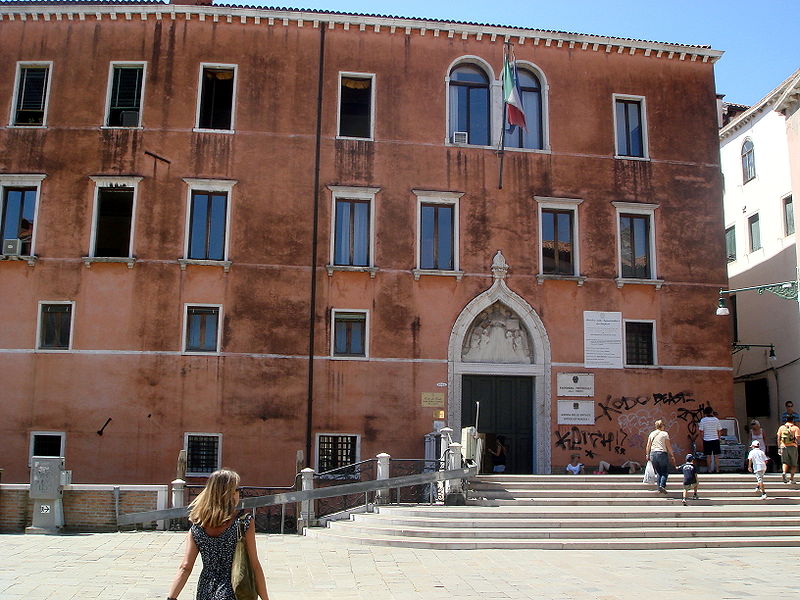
639 343
756 393
216 99
31 96
19 208
202 453
635 246
207 226
469 104
428 237
126 91
788 215
55 326
114 214
730 243
351 243
557 242
748 161
47 445
630 141
336 451
349 331
479 116
355 109
444 234
437 236
202 323
755 233
361 234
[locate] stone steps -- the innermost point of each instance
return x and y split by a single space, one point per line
586 512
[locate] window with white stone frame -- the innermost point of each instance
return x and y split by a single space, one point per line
203 453
334 452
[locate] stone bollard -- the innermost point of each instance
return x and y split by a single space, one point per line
454 490
447 438
307 518
178 487
383 496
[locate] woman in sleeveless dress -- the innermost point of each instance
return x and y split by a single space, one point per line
213 534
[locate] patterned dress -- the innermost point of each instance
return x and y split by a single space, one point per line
217 554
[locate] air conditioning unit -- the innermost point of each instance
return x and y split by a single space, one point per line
460 137
129 118
12 247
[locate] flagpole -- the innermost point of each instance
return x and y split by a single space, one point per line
501 149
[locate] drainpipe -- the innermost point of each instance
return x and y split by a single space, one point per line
314 246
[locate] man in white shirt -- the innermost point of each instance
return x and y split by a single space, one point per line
710 427
757 465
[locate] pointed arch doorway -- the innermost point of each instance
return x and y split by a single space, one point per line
499 355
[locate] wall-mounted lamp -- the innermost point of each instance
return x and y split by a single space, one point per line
739 347
785 289
722 310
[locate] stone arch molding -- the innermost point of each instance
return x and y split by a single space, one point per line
530 357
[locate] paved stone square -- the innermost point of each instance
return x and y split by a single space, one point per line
138 566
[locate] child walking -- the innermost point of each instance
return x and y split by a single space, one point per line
689 477
757 465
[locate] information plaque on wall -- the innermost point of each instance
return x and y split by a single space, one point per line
433 399
576 412
575 384
602 340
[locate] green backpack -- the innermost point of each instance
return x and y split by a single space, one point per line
787 436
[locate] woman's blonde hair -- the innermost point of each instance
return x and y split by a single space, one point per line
216 503
659 424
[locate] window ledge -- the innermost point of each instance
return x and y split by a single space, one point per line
579 279
201 353
88 260
529 150
633 281
349 357
640 158
370 270
225 264
30 259
201 130
436 272
356 139
121 127
12 126
627 366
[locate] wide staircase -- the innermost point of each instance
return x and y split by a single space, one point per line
586 512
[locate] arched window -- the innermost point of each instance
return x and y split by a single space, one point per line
531 91
748 161
469 105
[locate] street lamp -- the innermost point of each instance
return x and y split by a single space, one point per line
785 289
739 347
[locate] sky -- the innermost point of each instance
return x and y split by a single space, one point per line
759 37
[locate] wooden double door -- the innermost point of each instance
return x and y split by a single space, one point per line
506 408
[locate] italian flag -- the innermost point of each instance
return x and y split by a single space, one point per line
511 95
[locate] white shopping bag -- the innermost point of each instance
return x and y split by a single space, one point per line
649 473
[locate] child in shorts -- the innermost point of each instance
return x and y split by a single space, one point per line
689 477
757 465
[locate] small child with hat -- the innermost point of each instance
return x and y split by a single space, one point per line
689 477
757 465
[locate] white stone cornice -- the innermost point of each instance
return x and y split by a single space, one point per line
377 24
774 100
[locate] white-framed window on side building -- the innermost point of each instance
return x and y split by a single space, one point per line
350 338
356 116
208 211
46 443
640 345
559 247
630 125
754 229
31 94
788 215
636 241
337 451
748 161
437 233
202 329
352 229
125 93
203 453
55 325
730 243
216 98
114 216
19 195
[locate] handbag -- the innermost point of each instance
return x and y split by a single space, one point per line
243 579
649 473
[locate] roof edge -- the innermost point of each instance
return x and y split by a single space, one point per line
775 96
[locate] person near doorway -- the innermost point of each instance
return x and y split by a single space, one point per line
788 436
710 426
498 455
575 466
659 452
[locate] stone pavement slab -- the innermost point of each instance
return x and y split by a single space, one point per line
141 565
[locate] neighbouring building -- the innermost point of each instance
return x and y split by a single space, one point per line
248 232
760 238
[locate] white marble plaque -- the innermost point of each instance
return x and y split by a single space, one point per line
602 340
575 384
576 412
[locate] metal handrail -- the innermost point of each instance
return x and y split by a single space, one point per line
344 468
301 496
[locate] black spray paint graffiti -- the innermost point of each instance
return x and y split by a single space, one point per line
692 416
616 406
670 399
577 439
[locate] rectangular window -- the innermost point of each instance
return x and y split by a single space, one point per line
730 243
629 118
113 222
30 105
47 444
734 318
437 234
756 393
203 453
754 227
635 245
352 237
55 325
788 215
639 347
19 211
557 242
207 224
336 451
349 333
355 106
202 329
217 86
125 100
